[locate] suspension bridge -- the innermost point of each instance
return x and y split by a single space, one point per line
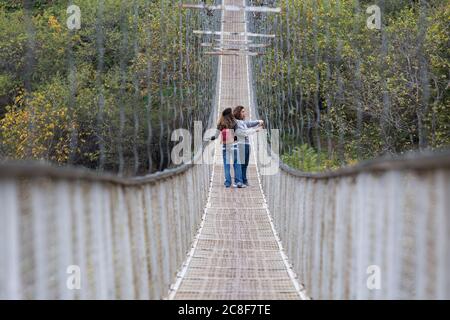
179 234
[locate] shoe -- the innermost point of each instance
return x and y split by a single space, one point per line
227 186
246 184
240 185
234 185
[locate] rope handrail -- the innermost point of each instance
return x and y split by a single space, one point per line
376 230
411 161
382 214
17 169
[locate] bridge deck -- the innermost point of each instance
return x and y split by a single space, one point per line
236 254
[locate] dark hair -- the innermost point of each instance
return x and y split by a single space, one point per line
227 120
237 112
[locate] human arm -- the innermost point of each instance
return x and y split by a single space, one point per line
253 123
242 131
216 135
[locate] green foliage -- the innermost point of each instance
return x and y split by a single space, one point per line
307 159
136 62
356 93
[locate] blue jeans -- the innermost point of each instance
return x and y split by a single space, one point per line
244 152
227 151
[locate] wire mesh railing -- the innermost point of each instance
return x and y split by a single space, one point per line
72 234
105 97
102 84
377 230
342 89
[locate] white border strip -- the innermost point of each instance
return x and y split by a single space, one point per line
292 275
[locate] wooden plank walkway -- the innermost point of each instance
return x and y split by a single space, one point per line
236 254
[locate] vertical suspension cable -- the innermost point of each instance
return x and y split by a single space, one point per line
99 82
123 82
181 69
424 81
136 98
340 91
297 52
386 97
318 86
29 66
148 107
327 86
162 49
357 81
72 78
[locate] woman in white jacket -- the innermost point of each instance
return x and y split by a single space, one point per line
243 129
